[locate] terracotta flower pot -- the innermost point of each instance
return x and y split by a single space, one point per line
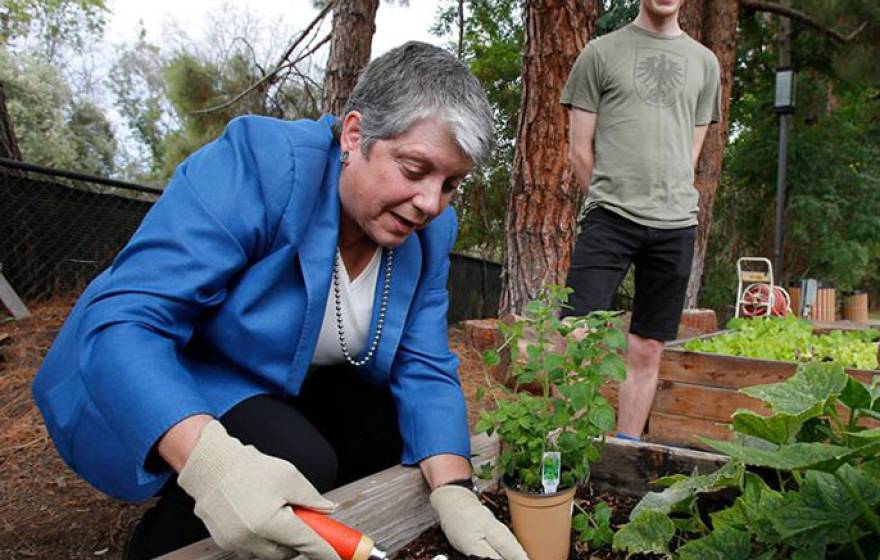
542 522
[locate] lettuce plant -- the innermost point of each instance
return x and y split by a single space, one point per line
791 339
801 483
568 360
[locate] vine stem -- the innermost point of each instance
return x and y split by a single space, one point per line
858 550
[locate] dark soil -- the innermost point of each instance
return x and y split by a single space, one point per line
432 542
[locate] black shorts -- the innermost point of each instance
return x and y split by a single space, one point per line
606 246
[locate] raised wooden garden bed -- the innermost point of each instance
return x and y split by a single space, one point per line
697 391
392 506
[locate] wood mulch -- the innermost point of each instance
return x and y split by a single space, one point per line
46 511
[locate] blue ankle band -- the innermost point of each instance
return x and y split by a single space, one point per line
621 435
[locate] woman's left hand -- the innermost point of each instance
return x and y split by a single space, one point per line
471 528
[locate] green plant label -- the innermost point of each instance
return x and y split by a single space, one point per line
550 467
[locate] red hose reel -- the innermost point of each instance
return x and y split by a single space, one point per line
757 297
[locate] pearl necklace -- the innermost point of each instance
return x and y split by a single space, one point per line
386 287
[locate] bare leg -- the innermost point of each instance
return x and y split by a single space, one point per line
637 391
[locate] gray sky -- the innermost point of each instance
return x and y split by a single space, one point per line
394 24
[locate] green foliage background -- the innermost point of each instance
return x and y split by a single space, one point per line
832 215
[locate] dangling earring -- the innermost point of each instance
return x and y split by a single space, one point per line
343 157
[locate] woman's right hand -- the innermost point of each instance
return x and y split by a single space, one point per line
244 498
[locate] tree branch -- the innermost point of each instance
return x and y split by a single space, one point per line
763 6
282 63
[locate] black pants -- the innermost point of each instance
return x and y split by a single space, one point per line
339 429
605 248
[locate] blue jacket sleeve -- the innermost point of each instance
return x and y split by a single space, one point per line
219 211
424 376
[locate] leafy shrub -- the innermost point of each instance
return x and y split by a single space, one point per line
801 483
574 357
791 339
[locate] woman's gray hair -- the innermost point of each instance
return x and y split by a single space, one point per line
415 81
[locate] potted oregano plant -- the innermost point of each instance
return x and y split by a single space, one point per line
549 439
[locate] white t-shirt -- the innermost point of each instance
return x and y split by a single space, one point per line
356 297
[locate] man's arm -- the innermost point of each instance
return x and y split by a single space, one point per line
582 130
699 137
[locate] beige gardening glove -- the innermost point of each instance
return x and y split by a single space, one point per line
471 528
243 496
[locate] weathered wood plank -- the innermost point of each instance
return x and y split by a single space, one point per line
675 430
391 507
11 300
628 467
701 401
731 372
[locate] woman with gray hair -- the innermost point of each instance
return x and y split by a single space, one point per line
277 325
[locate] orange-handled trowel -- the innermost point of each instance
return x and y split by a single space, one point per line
348 543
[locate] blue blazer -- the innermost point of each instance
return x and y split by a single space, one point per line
220 295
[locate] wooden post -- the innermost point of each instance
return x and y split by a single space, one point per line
11 300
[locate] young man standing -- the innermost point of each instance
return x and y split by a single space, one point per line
640 100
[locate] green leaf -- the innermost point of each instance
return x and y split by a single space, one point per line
720 544
614 339
780 428
855 395
729 475
491 358
552 362
650 531
602 417
812 383
602 512
613 367
481 392
667 481
823 508
752 441
866 436
821 456
485 423
749 511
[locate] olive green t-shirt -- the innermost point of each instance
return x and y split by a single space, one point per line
649 91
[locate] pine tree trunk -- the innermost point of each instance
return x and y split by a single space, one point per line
8 144
544 199
354 22
713 23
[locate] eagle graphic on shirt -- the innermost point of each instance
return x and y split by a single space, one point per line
659 76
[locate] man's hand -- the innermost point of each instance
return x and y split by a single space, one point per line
243 496
470 526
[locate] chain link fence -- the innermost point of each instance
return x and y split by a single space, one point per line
59 229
